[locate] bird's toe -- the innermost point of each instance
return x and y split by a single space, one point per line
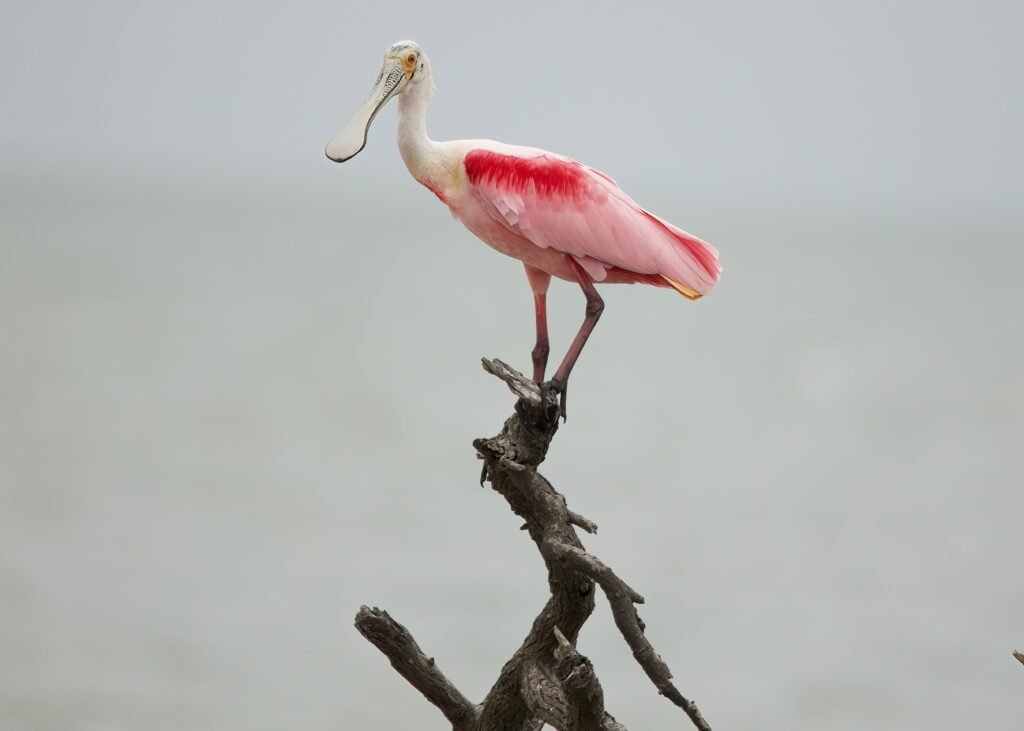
552 408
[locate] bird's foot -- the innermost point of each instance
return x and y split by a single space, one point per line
554 386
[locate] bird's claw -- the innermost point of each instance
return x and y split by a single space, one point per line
553 386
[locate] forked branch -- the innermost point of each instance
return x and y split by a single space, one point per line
546 681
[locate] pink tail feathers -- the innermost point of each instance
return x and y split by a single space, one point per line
701 269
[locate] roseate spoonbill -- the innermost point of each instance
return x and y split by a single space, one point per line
559 217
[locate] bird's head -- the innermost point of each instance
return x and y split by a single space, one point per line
406 69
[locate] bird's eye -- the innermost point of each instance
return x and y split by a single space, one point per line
410 59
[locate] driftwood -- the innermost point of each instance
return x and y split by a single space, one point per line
546 682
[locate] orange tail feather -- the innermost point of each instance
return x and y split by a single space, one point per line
687 292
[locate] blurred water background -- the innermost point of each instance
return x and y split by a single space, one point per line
239 384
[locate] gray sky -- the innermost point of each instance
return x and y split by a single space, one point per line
866 103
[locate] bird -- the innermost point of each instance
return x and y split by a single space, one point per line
559 217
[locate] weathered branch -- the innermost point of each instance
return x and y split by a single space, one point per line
582 687
546 681
408 659
622 598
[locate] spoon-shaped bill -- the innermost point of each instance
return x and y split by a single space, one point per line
351 140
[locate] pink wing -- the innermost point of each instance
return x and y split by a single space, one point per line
558 203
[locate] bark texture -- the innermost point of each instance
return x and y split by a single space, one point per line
546 682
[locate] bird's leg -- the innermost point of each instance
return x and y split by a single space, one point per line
542 348
595 306
539 281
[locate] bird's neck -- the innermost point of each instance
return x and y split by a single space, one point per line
418 151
